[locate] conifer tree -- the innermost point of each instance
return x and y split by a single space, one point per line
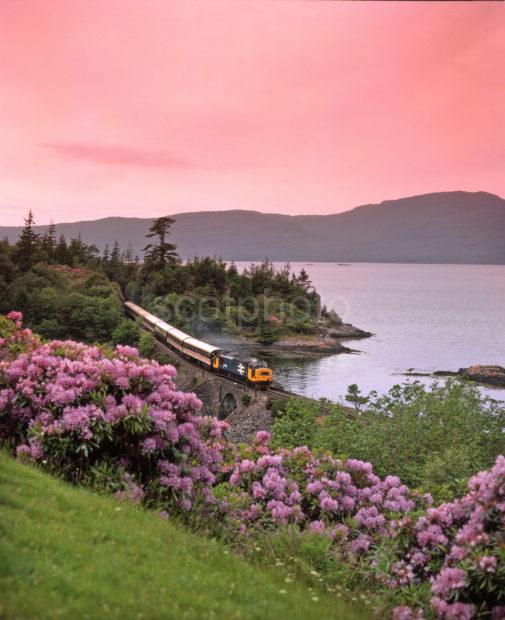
114 266
61 253
128 255
106 254
51 232
7 267
157 255
115 255
27 248
48 243
304 279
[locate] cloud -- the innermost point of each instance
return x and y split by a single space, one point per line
117 155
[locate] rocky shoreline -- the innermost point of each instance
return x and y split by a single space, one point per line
491 376
327 342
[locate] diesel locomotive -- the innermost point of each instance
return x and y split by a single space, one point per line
215 359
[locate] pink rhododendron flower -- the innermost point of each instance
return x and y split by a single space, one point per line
488 563
263 437
406 613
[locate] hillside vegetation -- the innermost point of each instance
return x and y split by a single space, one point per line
207 295
68 553
115 422
60 301
434 438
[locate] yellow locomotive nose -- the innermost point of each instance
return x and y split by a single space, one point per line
259 375
264 374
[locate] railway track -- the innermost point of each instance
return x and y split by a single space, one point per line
282 393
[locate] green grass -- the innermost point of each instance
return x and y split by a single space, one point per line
66 552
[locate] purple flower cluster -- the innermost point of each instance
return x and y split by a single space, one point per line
14 339
344 500
459 547
74 406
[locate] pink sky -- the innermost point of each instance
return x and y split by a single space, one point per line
150 107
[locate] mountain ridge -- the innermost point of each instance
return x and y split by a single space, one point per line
440 227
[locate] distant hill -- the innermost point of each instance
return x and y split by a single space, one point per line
446 227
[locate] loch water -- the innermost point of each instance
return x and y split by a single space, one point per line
423 317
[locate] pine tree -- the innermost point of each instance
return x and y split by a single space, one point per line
7 267
61 253
128 255
49 243
232 270
114 265
304 279
51 232
157 255
115 255
27 248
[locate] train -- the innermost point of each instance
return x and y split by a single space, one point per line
250 371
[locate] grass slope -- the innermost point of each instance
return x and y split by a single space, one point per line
68 553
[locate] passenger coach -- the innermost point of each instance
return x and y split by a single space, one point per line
250 371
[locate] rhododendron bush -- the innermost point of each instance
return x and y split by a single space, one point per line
460 548
70 406
118 421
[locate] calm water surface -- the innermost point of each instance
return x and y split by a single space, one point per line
423 317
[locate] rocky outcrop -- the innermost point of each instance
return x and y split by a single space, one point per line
489 375
346 330
486 375
327 342
303 345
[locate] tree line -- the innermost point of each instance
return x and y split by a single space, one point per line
160 281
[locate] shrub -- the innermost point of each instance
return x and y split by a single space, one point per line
434 438
333 319
246 399
344 500
147 344
459 548
69 405
295 424
276 405
61 302
15 340
127 332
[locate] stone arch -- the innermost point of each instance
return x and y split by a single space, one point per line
228 405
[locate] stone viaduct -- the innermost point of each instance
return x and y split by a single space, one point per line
245 409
